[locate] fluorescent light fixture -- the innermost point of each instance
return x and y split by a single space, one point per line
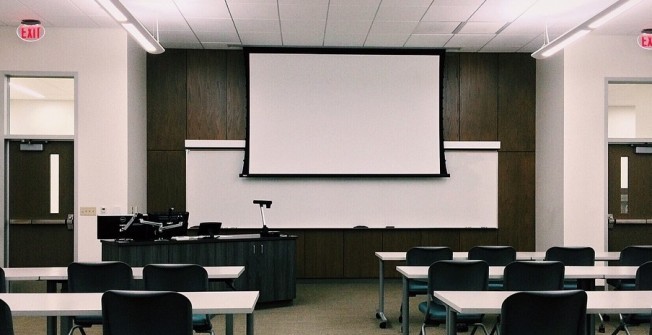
611 12
550 48
139 33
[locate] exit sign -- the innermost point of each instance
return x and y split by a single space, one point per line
645 39
30 30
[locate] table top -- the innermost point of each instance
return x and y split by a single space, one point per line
520 255
61 273
570 272
490 302
71 304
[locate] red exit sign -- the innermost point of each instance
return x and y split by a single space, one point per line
30 30
645 40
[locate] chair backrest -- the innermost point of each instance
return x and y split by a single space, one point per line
544 313
644 277
3 281
175 277
146 313
458 275
534 276
99 276
635 255
493 255
6 321
424 256
571 256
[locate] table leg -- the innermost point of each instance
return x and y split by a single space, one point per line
405 309
451 321
51 287
590 324
228 321
380 312
250 324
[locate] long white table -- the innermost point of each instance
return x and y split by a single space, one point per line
54 275
72 304
386 256
490 302
586 273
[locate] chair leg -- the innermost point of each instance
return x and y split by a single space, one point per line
601 328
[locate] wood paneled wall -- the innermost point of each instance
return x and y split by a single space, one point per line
201 94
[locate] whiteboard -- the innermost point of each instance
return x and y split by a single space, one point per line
467 199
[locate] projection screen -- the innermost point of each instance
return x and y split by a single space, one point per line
344 112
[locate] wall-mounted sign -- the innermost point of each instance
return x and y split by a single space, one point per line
30 30
645 39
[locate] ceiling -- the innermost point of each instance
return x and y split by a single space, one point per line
464 25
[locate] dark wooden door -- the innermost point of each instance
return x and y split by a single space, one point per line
37 232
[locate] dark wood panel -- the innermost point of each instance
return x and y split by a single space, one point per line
207 82
451 97
359 248
478 97
300 250
469 238
324 254
236 96
166 180
49 245
516 102
441 237
166 100
516 200
624 235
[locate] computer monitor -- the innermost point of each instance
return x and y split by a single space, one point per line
209 229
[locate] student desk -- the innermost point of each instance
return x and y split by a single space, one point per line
490 302
54 275
588 273
384 256
71 304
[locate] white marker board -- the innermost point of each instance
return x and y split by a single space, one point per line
467 199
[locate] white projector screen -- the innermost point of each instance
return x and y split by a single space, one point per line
344 112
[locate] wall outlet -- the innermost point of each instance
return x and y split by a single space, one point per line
87 211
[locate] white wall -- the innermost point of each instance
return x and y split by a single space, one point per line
549 176
587 66
109 170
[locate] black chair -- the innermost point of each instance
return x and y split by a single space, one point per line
88 277
532 276
3 281
454 275
494 256
633 255
6 320
423 256
571 256
180 278
642 282
565 313
146 313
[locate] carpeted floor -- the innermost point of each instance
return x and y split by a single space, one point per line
325 307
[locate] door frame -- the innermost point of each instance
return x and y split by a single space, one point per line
4 98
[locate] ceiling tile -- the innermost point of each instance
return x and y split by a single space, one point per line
217 37
303 12
402 13
357 13
203 9
481 27
432 27
348 27
303 39
262 11
205 24
258 26
344 40
386 40
252 39
393 27
428 40
449 13
501 10
469 40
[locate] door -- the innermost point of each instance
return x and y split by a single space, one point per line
37 233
